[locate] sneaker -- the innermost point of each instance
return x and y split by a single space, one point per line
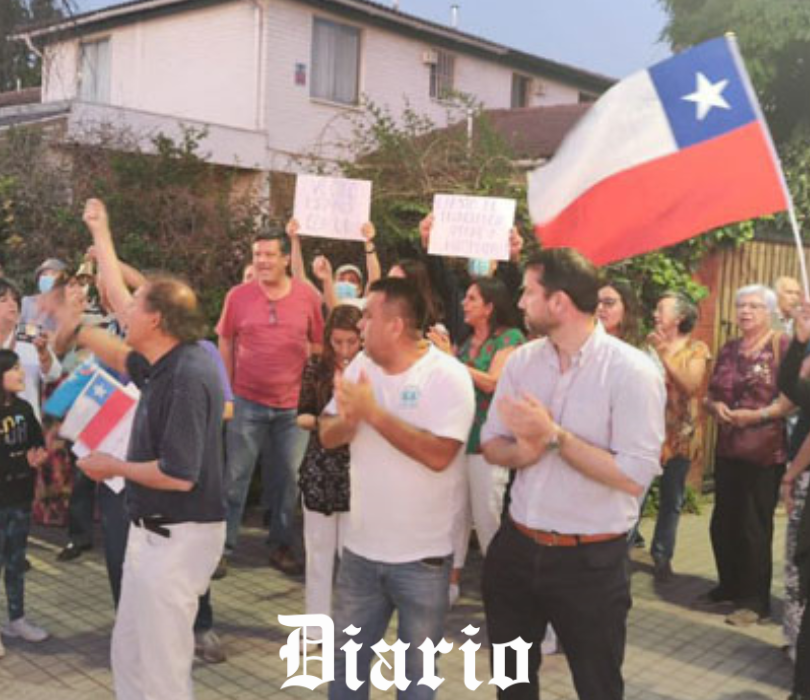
72 551
743 617
222 569
454 593
283 560
25 630
662 571
208 647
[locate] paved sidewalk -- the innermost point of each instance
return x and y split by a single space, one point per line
673 652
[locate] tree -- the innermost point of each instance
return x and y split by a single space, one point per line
20 66
774 37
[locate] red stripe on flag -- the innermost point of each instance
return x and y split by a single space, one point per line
730 178
107 417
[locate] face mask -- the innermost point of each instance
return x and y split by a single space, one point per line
345 290
45 283
478 267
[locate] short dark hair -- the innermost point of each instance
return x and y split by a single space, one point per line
493 291
8 287
685 308
176 302
270 233
566 270
8 359
404 295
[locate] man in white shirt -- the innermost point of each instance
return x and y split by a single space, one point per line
580 415
406 409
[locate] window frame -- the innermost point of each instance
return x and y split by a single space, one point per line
437 91
96 98
526 81
330 96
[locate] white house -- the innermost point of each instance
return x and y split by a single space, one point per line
274 79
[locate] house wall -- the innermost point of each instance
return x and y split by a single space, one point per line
234 65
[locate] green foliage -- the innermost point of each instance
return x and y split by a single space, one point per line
18 64
169 209
692 503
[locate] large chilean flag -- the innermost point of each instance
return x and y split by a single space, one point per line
662 156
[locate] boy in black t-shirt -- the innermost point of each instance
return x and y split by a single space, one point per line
21 450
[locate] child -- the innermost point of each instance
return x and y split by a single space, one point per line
21 450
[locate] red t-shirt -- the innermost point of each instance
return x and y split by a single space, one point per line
270 340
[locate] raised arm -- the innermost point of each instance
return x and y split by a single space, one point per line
112 274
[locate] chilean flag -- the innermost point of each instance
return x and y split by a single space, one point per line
666 154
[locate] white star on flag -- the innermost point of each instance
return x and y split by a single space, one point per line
99 391
707 95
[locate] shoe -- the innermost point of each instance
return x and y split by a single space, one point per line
25 630
283 560
743 617
662 571
222 569
638 541
73 551
717 595
208 647
454 593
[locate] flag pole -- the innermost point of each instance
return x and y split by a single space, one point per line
794 223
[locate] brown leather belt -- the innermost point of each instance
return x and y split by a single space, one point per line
555 539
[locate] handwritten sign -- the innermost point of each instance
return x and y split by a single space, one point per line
471 227
332 207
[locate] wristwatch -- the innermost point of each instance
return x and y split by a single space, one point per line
557 440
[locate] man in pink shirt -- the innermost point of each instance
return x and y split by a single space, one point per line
267 328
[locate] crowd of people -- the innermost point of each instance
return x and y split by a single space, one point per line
391 416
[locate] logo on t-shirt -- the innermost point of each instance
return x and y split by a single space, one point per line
410 396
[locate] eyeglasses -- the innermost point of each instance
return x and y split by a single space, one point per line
756 306
607 303
273 317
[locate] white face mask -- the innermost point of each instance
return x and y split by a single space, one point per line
45 283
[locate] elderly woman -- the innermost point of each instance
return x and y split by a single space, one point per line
750 456
684 362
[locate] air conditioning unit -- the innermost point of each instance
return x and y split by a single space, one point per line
538 87
430 57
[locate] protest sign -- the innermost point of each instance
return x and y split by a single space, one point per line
332 207
471 227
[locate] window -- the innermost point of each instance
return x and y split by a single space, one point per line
335 62
94 71
441 75
521 91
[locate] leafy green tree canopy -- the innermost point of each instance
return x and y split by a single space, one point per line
19 66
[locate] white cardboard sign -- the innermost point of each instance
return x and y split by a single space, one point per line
332 207
471 227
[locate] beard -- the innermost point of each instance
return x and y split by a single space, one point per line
541 326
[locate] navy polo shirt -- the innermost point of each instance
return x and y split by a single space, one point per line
178 422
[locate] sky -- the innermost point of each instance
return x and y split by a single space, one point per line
611 37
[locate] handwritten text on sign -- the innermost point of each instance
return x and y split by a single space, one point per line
332 207
471 227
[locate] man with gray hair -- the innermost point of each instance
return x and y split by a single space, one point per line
788 297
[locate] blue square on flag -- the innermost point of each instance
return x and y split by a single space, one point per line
702 93
100 390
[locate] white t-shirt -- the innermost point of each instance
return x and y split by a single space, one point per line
401 510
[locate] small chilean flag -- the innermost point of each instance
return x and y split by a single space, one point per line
99 414
662 156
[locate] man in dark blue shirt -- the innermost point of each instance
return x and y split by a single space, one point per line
174 474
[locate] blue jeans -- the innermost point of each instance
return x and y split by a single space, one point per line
366 595
672 489
15 524
272 433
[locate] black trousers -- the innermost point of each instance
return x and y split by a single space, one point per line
741 530
582 591
801 671
81 506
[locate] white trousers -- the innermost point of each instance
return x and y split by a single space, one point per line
482 498
323 539
153 638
